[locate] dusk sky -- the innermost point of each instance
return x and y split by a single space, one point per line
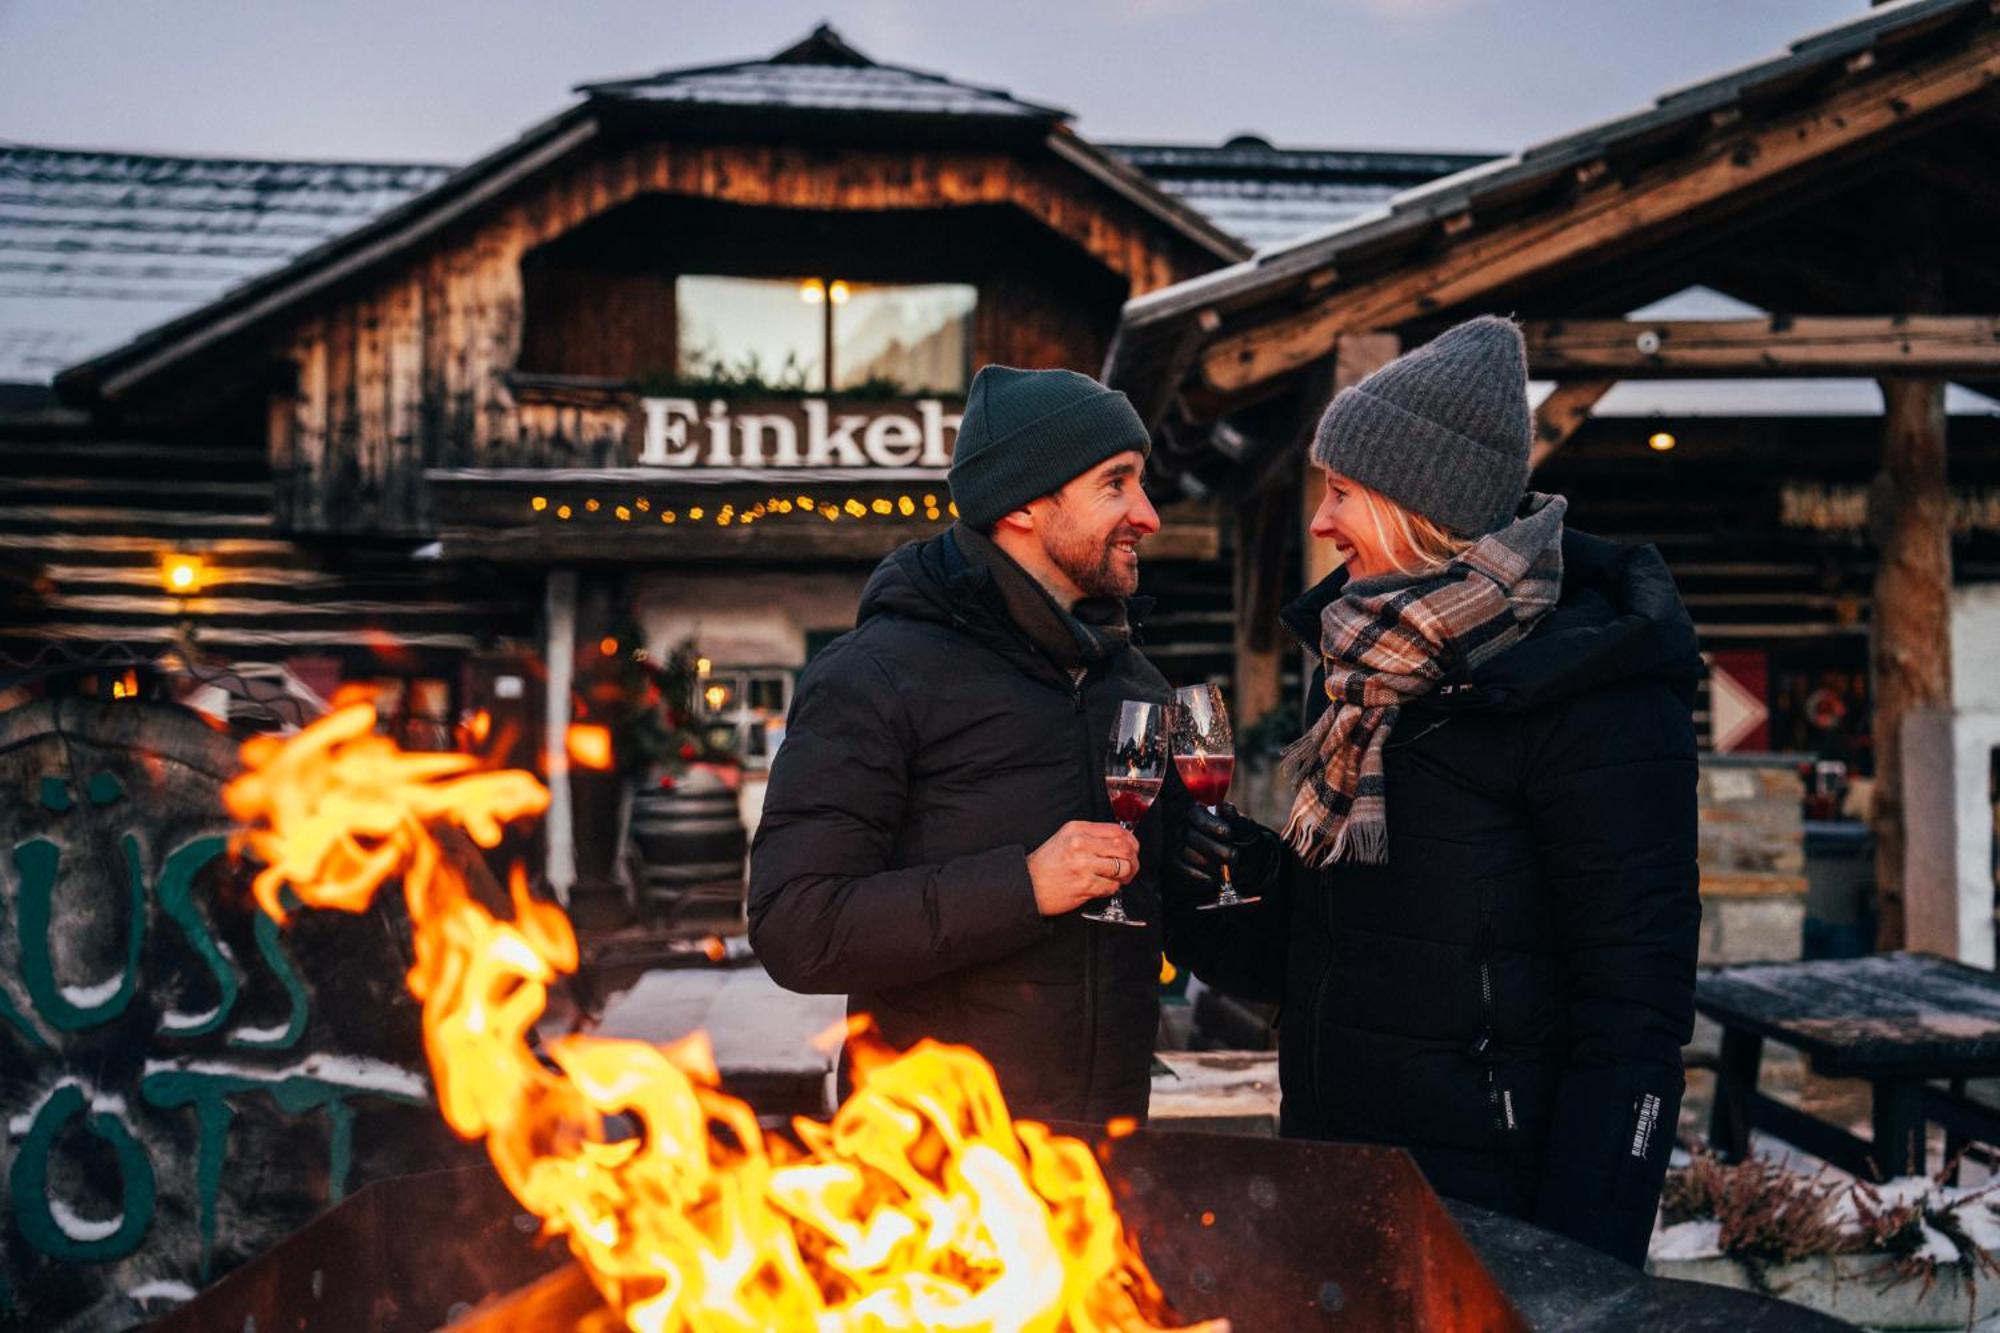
446 80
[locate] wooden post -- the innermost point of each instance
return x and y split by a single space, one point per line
1260 544
559 615
1911 634
1355 357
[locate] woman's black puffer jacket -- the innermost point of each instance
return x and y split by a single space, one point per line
1508 995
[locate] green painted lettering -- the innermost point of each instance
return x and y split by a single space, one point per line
39 861
68 1238
176 896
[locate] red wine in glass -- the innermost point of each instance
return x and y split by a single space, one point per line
1205 757
1135 766
1131 798
1206 776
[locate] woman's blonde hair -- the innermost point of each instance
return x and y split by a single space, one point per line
1413 543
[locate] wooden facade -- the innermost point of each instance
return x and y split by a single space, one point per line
408 368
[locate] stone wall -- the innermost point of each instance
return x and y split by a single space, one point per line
1752 853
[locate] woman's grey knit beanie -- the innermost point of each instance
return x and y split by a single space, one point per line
1442 430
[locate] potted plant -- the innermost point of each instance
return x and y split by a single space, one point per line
685 838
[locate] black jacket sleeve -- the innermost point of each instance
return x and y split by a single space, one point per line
828 913
1612 797
1240 951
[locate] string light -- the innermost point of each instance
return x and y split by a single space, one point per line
178 579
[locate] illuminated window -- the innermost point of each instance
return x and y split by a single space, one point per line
750 714
783 333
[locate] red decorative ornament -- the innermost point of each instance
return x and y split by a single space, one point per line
688 750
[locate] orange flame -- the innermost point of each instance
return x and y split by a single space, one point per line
922 1205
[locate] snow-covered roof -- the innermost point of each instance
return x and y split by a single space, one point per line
1264 195
1275 275
823 73
95 246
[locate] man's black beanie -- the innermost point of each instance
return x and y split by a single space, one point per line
1026 433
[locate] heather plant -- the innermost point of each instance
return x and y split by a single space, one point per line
1766 1212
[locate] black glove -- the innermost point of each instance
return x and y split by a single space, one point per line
1226 838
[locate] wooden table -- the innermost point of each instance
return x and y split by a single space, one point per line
1902 1021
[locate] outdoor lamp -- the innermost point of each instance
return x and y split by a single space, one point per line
181 573
1661 441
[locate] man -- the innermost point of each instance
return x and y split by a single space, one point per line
937 814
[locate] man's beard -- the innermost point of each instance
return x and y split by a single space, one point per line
1091 566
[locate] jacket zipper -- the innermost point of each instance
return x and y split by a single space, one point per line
1093 790
1485 1047
1319 1002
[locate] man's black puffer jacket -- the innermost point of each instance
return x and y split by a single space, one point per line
1508 995
927 753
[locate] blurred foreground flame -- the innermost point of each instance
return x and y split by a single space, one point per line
922 1205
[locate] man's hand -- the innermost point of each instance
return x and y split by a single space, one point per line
1080 863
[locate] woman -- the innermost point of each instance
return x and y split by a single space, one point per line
1481 919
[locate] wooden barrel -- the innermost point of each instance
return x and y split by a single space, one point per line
688 844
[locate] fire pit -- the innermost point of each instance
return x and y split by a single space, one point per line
1270 1234
922 1204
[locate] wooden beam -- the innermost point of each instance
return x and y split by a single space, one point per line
1911 639
1561 413
1356 357
1485 261
1946 346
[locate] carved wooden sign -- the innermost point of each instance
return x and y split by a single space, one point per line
182 1082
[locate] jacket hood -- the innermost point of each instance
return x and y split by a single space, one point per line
925 579
931 579
1619 618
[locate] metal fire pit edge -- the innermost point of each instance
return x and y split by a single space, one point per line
1276 1235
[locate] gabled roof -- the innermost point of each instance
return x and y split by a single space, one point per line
818 86
95 246
1265 196
823 73
1162 329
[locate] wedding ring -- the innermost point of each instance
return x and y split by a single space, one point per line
1121 867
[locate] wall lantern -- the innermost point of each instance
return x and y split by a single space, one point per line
1661 441
182 574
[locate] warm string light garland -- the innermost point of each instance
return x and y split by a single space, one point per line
831 510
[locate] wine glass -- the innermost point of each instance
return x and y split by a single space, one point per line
1205 755
1134 768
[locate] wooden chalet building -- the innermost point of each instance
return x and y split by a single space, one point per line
685 359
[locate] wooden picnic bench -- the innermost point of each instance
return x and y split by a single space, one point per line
1903 1021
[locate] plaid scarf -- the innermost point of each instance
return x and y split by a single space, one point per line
1391 638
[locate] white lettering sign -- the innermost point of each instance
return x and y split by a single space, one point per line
809 433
